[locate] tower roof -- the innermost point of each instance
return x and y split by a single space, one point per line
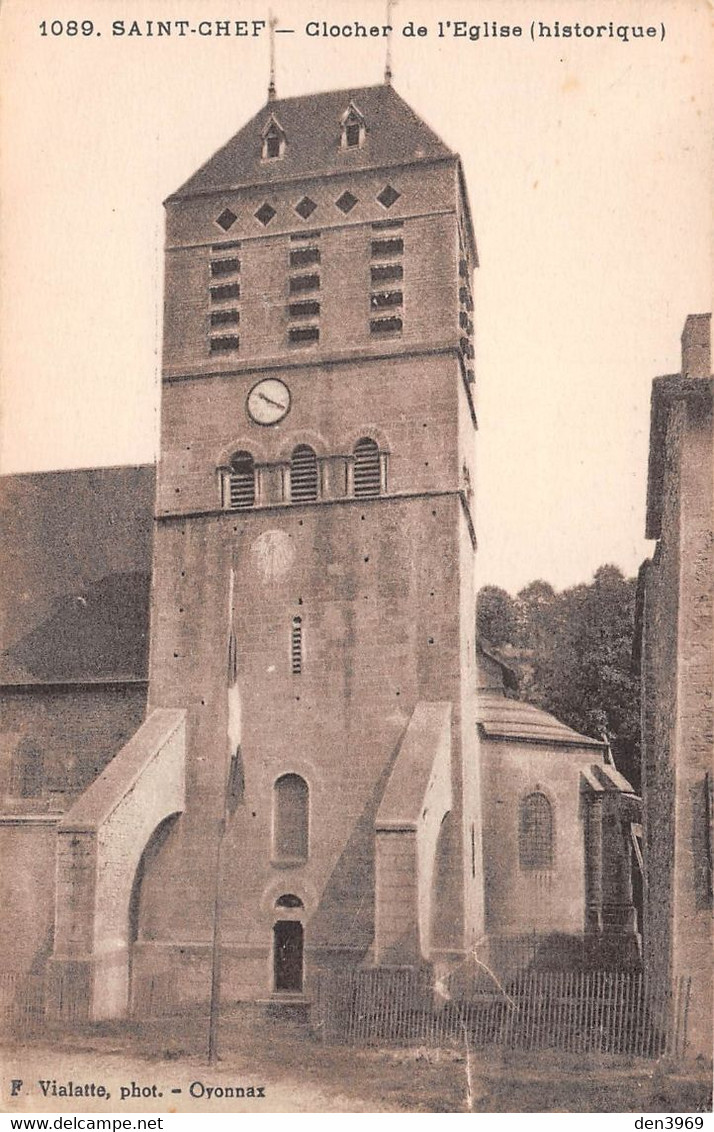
394 135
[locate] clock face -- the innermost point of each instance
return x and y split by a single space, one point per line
268 401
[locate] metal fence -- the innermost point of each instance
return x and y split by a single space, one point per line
578 1012
606 1012
24 1002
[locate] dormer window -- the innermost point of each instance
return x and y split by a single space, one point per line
273 140
353 128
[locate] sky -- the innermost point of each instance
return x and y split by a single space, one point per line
588 162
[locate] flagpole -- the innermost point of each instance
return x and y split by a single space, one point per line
215 1001
214 1010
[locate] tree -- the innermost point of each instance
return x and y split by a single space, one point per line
572 651
496 616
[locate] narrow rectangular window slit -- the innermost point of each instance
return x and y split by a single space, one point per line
296 646
304 334
304 309
300 283
393 246
227 291
385 325
382 299
387 272
225 344
303 257
225 267
225 318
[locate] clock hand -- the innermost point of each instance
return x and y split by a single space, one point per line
277 404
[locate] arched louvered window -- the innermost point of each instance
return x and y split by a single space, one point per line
291 818
535 833
303 475
242 481
368 475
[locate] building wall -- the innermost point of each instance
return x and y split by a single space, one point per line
70 735
27 892
659 712
408 404
693 897
427 208
71 732
519 902
376 583
677 717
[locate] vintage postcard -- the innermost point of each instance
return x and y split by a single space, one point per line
356 661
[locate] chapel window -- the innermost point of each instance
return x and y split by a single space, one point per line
535 833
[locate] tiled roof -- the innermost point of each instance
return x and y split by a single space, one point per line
501 718
76 554
312 125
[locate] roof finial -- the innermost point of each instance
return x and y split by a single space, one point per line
388 64
272 24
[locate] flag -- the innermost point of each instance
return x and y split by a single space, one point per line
235 789
235 782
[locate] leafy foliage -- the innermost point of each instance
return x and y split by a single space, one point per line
573 654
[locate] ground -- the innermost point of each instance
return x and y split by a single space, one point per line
301 1074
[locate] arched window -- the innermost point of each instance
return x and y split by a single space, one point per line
289 900
303 475
535 833
242 481
291 817
368 475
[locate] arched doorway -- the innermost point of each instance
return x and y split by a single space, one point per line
444 889
288 937
151 852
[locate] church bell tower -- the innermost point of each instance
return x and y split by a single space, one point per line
313 602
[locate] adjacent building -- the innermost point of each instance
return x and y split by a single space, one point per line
677 679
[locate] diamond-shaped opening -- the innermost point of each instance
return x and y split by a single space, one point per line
226 220
265 213
346 202
305 207
388 196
